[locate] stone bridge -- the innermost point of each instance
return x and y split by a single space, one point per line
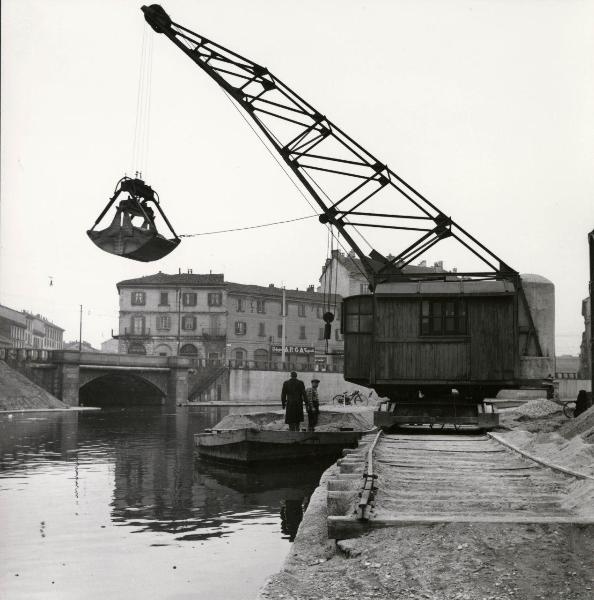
69 375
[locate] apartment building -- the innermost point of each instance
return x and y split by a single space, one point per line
255 326
345 275
204 317
26 330
168 315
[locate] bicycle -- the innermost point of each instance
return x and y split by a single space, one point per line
347 398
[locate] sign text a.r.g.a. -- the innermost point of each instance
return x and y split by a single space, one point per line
277 349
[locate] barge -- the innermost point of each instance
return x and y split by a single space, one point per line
255 446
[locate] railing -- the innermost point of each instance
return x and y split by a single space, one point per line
262 365
566 375
265 365
126 335
213 334
25 354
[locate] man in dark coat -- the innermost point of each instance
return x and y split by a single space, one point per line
293 397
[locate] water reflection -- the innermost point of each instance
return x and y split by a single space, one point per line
138 468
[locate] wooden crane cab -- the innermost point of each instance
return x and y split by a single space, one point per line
437 349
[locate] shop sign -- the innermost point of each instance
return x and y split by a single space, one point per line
277 349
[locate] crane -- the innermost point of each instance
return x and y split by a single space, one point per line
435 344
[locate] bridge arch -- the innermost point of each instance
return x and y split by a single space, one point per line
116 388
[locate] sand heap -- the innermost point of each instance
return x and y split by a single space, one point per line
329 420
582 426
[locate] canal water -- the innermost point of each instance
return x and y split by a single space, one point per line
114 504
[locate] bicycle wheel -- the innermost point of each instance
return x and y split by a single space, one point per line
338 399
568 410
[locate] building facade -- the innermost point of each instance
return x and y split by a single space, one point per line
344 274
209 319
255 326
170 315
26 330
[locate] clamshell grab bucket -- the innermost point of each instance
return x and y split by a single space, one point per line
141 241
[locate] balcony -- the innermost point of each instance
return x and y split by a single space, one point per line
129 335
213 334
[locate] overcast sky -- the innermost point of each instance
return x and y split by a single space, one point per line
483 106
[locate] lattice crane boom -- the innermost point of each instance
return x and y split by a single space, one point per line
349 184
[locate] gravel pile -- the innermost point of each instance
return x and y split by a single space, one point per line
534 409
329 420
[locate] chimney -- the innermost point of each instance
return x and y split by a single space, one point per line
271 285
189 271
179 270
310 288
438 265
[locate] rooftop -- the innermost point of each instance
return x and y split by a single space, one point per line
272 290
355 267
218 280
178 279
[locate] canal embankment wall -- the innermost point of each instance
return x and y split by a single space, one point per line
18 392
257 386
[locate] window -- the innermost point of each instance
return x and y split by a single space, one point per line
337 334
364 288
164 299
188 350
443 317
188 323
302 332
189 299
260 306
215 299
279 331
138 298
136 348
239 357
137 325
301 310
358 315
261 330
261 358
240 305
240 328
163 322
321 334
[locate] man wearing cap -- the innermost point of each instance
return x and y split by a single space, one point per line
312 404
293 397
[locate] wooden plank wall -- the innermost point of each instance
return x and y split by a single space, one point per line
486 353
491 328
357 355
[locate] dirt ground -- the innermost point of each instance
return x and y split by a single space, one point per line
454 561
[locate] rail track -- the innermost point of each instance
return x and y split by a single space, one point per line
425 478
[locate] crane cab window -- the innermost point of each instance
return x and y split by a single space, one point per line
443 317
358 315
